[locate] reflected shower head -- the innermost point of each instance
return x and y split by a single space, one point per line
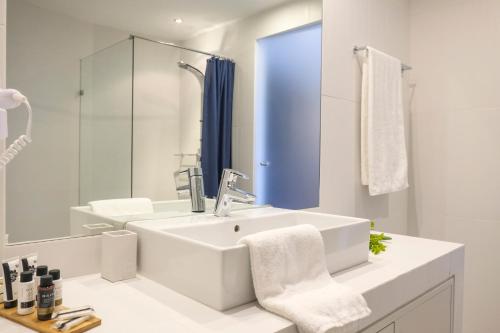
182 64
190 68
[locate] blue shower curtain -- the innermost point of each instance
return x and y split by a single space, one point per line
217 122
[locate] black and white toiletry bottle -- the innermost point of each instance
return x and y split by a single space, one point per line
26 296
56 278
10 269
45 303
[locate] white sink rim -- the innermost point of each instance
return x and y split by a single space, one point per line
213 220
226 269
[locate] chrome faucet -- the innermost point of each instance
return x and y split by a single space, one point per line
228 192
196 191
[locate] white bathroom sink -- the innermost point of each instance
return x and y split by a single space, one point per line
199 256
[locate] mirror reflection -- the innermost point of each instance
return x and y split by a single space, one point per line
126 97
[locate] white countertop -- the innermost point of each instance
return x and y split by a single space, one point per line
409 268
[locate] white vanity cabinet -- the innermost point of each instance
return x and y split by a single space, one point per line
429 313
416 286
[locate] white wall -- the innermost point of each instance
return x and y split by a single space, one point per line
237 40
384 25
3 42
43 61
455 119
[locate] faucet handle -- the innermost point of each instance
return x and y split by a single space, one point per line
229 192
232 175
192 171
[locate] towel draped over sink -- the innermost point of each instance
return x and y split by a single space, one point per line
291 279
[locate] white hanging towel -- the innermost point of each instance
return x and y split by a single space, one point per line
291 279
384 164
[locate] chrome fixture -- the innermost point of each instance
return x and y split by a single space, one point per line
184 65
196 191
356 49
180 47
228 192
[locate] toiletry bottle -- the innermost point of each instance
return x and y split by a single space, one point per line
40 271
26 301
45 298
1 290
29 262
10 269
56 278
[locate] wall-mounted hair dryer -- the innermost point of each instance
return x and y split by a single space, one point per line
11 99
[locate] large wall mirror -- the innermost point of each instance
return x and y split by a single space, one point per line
118 89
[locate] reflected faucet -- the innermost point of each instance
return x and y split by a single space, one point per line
228 192
195 186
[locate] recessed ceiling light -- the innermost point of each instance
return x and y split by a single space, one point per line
178 20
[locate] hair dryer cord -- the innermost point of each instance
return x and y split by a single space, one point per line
19 144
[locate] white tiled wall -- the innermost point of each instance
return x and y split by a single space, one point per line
455 139
382 24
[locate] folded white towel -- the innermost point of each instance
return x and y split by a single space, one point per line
384 165
122 207
291 280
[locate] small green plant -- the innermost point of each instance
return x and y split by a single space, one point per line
377 241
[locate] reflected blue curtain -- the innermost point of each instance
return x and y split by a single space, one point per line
217 122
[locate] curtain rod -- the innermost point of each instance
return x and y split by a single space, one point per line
356 49
180 47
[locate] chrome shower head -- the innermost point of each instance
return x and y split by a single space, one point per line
182 64
190 68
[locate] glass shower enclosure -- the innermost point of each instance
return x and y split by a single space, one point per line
139 119
106 123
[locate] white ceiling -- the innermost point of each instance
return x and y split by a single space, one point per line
155 17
